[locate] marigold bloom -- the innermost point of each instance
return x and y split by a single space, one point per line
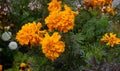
1 67
92 3
52 47
110 39
105 38
102 2
61 20
110 10
109 2
30 34
67 18
23 65
87 2
95 3
54 5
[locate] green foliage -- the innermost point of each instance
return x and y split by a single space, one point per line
71 58
83 47
20 13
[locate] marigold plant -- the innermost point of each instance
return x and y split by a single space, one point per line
30 33
97 3
62 41
52 47
111 39
103 5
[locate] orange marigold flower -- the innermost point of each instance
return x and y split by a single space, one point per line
91 3
110 39
61 20
67 18
95 3
30 33
87 2
52 47
109 2
1 67
102 2
54 5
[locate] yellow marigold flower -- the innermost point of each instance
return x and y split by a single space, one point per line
113 40
110 10
61 20
110 39
23 65
105 37
54 5
52 47
30 34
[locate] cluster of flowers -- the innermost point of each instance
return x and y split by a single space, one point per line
111 39
58 19
5 26
31 34
103 5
